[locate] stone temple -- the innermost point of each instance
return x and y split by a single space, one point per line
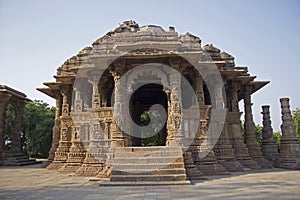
106 94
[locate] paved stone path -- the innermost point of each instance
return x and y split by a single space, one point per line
39 183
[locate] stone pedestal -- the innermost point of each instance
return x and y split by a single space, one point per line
76 153
235 137
289 156
192 172
225 153
268 147
61 154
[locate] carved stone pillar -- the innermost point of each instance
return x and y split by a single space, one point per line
78 103
198 84
253 148
269 147
65 92
233 97
3 104
95 95
66 124
117 139
16 137
174 110
56 129
289 156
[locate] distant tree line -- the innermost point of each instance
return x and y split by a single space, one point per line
277 135
36 128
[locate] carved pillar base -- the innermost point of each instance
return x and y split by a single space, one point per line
55 165
289 156
192 172
225 156
225 152
236 140
256 155
75 158
209 165
97 158
270 151
91 165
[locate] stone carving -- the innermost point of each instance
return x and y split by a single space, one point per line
152 45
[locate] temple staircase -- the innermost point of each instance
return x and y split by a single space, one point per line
18 159
159 165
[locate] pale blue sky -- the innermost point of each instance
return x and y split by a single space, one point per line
36 37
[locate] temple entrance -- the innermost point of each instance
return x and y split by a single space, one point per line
140 102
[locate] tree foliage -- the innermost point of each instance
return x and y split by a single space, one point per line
38 120
9 128
296 119
277 137
147 139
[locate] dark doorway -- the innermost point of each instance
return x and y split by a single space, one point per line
141 100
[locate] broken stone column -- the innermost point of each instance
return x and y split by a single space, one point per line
268 147
289 156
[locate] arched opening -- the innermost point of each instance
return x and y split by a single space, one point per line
141 100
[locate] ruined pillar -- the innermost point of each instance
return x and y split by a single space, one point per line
250 135
269 147
289 156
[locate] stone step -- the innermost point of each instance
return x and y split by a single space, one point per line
20 159
146 149
142 178
148 154
144 183
28 162
124 167
14 154
134 172
148 165
144 160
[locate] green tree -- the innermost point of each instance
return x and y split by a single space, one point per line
296 119
277 136
9 128
38 120
157 139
